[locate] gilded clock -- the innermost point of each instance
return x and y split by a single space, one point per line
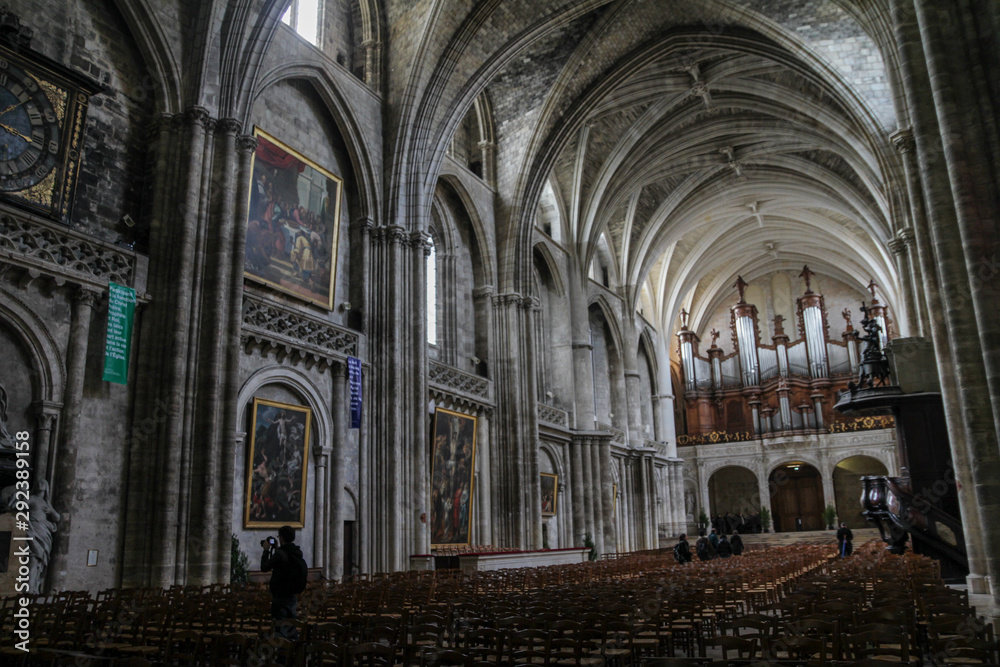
42 111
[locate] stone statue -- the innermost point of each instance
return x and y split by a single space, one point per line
6 439
689 502
846 313
43 524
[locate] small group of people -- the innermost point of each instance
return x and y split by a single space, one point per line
709 547
731 523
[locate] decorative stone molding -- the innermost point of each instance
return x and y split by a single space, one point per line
554 416
617 437
897 246
458 382
35 243
485 291
269 324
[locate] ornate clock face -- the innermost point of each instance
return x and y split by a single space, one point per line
29 129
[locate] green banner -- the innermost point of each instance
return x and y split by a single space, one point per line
121 312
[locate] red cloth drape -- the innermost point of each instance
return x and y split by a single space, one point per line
277 157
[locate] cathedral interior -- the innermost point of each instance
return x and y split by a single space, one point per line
421 275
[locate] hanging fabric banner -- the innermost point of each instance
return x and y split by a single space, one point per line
354 378
121 312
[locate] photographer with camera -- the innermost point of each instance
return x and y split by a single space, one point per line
283 558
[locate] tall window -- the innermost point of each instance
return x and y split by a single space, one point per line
303 17
432 295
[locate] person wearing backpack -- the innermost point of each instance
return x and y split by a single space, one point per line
288 577
703 547
682 550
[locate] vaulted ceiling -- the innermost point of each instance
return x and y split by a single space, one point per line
702 140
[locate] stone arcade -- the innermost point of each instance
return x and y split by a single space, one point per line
499 209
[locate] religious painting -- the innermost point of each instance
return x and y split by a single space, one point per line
293 221
452 469
550 486
278 463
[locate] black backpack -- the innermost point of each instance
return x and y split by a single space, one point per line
678 553
702 548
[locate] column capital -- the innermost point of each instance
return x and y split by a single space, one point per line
86 297
897 246
197 116
228 126
903 141
246 143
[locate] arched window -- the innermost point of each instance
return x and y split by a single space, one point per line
303 17
432 304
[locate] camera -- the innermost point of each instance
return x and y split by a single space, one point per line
269 543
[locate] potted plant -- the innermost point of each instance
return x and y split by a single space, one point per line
702 519
239 564
830 515
765 519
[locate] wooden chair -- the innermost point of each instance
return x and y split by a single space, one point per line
319 654
370 654
743 648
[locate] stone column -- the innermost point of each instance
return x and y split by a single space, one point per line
321 510
485 478
64 463
373 60
677 486
488 150
899 253
232 442
46 417
607 493
906 146
515 456
577 478
588 488
341 414
597 490
583 349
942 261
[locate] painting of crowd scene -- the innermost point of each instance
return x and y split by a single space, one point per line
452 469
279 455
292 222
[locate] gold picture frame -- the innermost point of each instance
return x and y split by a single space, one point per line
453 468
277 465
292 246
550 493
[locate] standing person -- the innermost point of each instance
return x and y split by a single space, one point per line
682 550
703 547
736 542
713 537
724 548
844 537
288 577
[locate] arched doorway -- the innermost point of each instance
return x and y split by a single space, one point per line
847 487
733 490
796 497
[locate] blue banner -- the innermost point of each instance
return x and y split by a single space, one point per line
354 378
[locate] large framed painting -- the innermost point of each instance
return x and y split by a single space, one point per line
550 488
279 457
453 464
293 221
